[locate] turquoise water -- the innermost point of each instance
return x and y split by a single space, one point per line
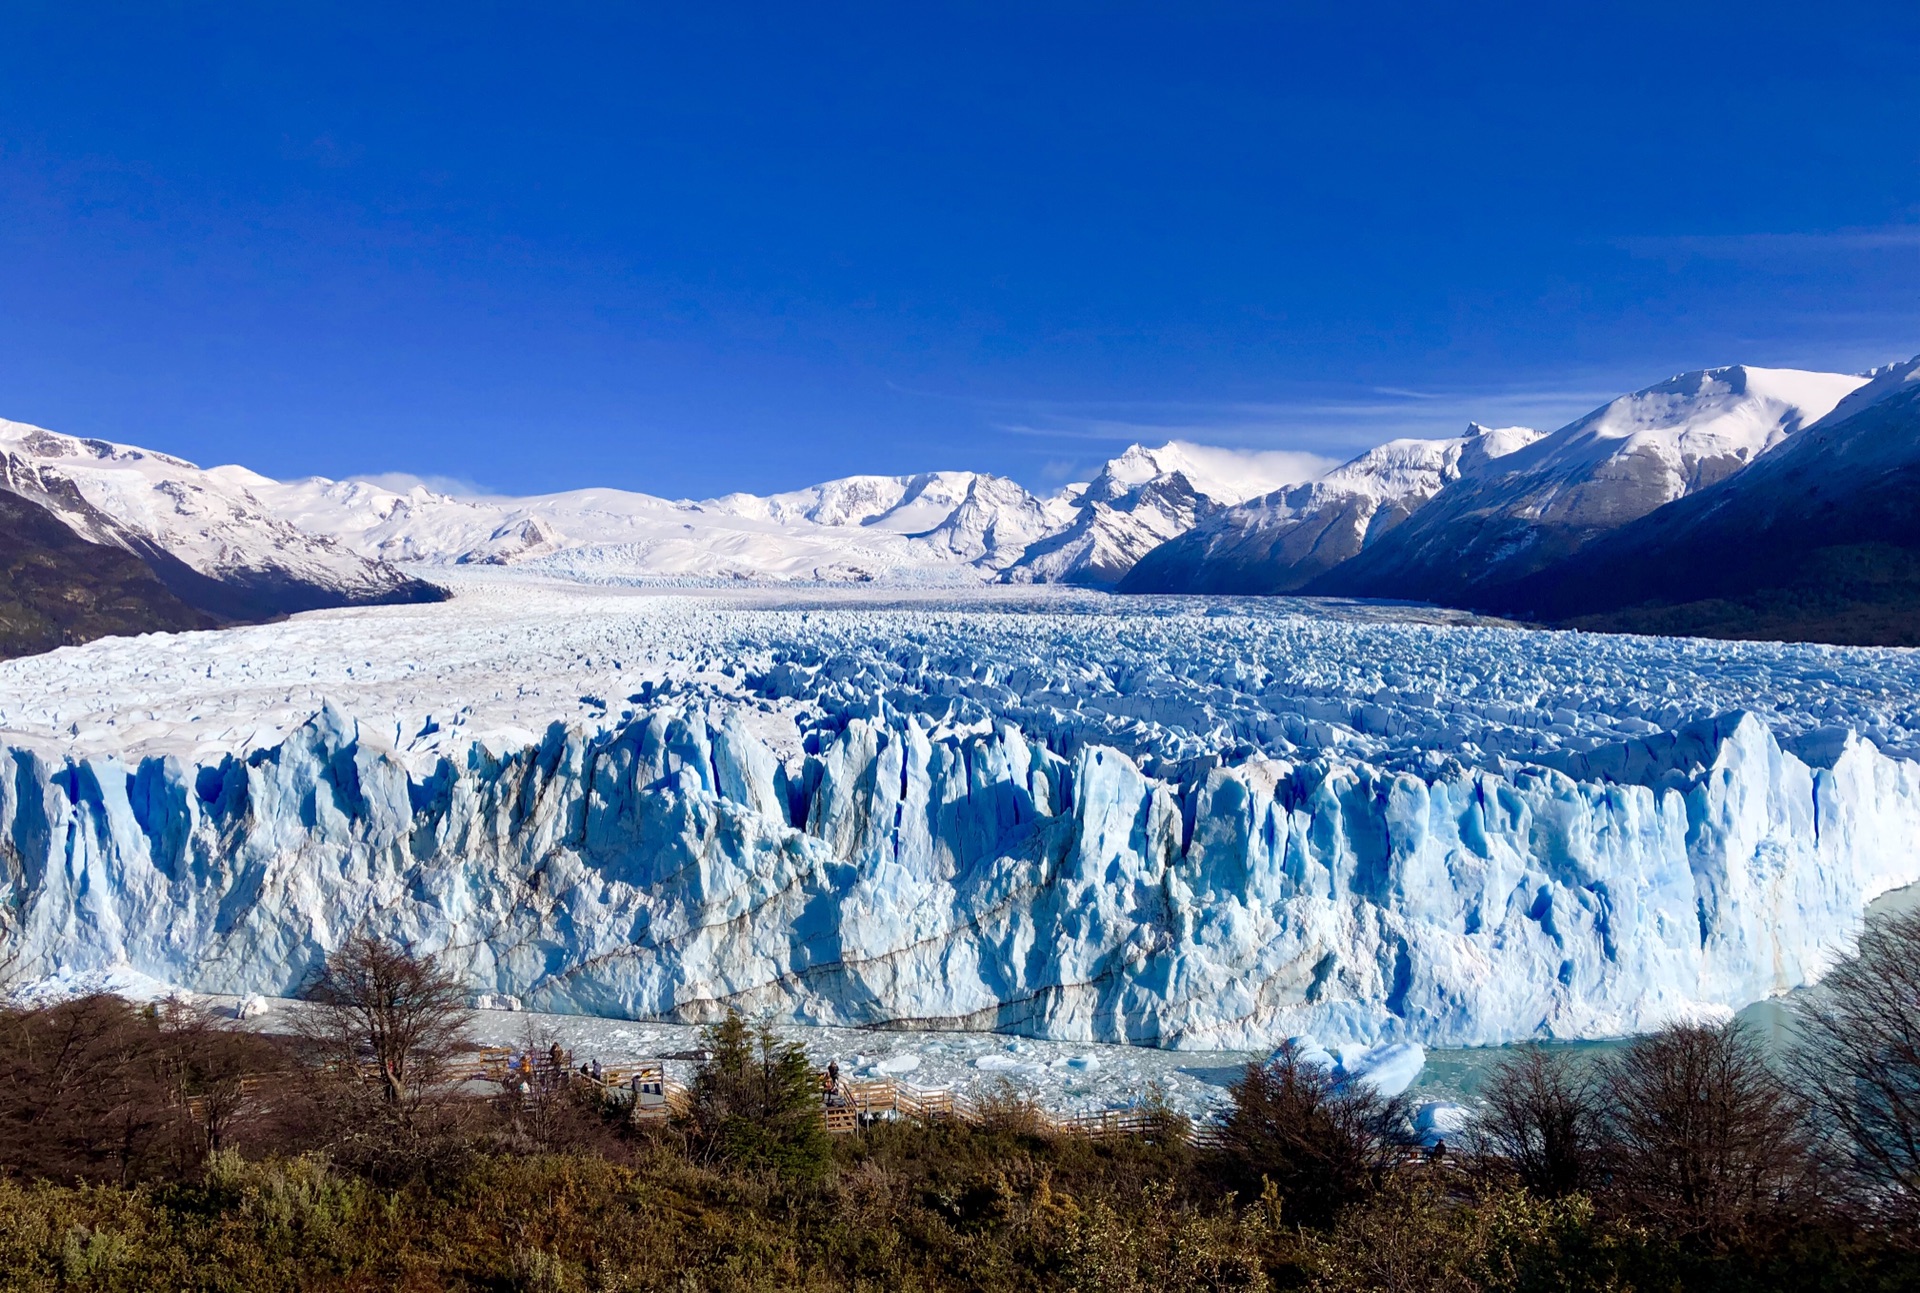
1458 1074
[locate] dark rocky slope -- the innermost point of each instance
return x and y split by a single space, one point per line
58 589
1818 541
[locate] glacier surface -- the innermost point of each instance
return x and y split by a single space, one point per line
1191 824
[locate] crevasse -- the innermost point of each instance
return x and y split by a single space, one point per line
676 866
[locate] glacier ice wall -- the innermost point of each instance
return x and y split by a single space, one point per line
676 865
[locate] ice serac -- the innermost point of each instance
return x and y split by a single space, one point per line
904 876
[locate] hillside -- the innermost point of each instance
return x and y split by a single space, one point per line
1623 461
1279 542
1818 540
214 545
57 589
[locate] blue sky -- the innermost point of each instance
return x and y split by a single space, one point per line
697 248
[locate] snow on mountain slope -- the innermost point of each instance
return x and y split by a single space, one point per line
1278 542
1143 498
1115 524
1883 383
1613 466
1818 538
1036 814
899 504
938 525
1226 476
210 541
859 528
56 588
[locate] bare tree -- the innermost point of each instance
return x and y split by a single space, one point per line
1703 1137
221 1070
388 1018
1858 1060
81 1092
1321 1142
1540 1119
97 1088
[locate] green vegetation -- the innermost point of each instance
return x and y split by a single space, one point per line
756 1103
148 1149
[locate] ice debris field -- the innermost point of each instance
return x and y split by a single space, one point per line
1191 824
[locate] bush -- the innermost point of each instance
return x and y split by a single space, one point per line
1323 1144
757 1102
1858 1059
1703 1139
99 1089
1540 1121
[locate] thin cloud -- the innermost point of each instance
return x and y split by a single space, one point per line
402 481
1775 246
1322 426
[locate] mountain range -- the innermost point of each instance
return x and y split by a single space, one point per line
1819 538
1730 502
1737 501
933 527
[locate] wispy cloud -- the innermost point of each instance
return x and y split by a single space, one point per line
1776 246
402 481
1325 425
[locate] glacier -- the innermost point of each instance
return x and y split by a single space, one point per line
1201 826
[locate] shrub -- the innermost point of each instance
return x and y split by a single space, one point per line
1324 1144
757 1102
98 1089
1703 1139
1540 1120
1858 1059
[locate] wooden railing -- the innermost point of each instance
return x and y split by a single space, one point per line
846 1106
853 1105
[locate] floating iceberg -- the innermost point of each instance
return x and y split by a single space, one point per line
1388 1067
1439 1120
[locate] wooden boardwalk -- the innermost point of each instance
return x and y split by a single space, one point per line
854 1105
847 1107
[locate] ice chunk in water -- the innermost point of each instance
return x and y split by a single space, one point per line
1389 1068
1439 1120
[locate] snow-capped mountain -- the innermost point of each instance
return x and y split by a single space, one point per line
1278 542
211 542
1139 501
936 526
57 589
1453 521
1818 538
1615 465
